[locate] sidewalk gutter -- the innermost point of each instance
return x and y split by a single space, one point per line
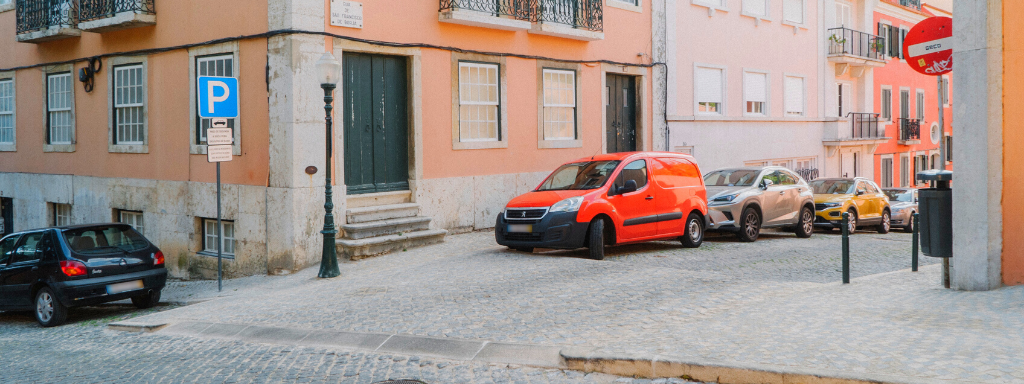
720 372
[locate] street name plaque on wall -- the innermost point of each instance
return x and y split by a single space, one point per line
347 14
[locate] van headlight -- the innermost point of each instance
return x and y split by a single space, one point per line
571 204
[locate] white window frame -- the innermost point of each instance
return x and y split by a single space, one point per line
766 109
910 110
785 111
496 104
888 43
66 71
945 95
231 48
803 19
543 141
132 218
934 129
842 85
113 131
209 245
722 108
572 106
7 79
629 5
906 175
712 5
881 101
503 126
849 7
767 16
919 103
61 214
881 169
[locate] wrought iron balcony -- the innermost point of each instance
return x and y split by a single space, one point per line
915 4
865 126
579 14
511 15
42 20
848 42
808 173
112 15
909 131
574 19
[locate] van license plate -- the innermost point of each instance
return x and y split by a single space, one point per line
114 289
520 228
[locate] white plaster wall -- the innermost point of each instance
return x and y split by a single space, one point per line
722 144
462 204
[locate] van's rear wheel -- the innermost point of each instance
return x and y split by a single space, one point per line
596 239
147 300
49 311
694 234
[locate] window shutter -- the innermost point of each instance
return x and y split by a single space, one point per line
755 87
899 47
793 10
893 42
794 95
709 85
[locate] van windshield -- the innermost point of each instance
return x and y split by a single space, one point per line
105 239
731 178
575 176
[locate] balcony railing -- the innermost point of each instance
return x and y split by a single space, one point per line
845 41
916 4
38 15
865 126
910 129
101 9
516 9
808 173
581 14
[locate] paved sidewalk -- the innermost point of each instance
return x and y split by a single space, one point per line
774 303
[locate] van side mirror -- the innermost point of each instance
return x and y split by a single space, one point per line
629 187
765 183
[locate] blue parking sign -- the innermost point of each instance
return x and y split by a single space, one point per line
218 96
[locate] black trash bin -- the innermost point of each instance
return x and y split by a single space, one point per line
936 205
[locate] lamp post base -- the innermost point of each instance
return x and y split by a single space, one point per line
329 262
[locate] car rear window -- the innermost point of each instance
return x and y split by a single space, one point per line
105 239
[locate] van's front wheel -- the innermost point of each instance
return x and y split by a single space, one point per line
596 239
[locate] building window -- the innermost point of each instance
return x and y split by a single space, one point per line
216 65
709 91
843 15
949 149
132 218
755 93
944 93
887 173
904 171
935 133
920 105
893 39
793 11
6 110
794 96
61 214
59 120
129 102
904 104
478 102
843 97
935 161
559 104
210 237
886 104
756 8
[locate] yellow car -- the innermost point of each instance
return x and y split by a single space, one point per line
866 203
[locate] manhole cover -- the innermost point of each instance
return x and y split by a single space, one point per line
401 381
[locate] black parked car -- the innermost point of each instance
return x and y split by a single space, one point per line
50 270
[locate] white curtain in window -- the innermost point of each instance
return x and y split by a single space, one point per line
794 95
844 17
755 7
793 11
709 85
755 87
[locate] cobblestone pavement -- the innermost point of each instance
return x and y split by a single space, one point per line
774 302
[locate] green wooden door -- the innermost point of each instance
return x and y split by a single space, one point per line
620 113
376 123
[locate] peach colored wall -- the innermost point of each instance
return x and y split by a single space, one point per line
168 92
726 39
1013 142
626 34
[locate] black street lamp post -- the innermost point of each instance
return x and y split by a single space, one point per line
329 70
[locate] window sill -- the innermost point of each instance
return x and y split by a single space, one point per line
459 145
214 254
7 7
710 6
11 147
758 19
796 26
68 148
482 19
132 148
628 7
556 144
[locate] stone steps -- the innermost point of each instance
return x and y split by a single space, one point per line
384 227
381 212
372 246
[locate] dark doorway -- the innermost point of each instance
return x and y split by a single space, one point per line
6 216
621 113
376 123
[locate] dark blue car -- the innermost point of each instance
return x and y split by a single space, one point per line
51 270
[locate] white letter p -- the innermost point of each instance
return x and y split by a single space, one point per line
216 99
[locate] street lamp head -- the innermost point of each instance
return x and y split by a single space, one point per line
328 69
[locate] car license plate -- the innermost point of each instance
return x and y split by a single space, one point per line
520 227
113 289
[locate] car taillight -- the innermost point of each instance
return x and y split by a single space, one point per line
158 258
72 268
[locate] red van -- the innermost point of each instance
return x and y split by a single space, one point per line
609 199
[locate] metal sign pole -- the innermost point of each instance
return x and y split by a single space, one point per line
220 234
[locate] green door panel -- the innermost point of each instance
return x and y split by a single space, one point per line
376 123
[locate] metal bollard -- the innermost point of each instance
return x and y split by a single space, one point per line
846 247
913 258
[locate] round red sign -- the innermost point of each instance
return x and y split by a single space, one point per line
928 46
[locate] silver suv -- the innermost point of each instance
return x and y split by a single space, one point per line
744 200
